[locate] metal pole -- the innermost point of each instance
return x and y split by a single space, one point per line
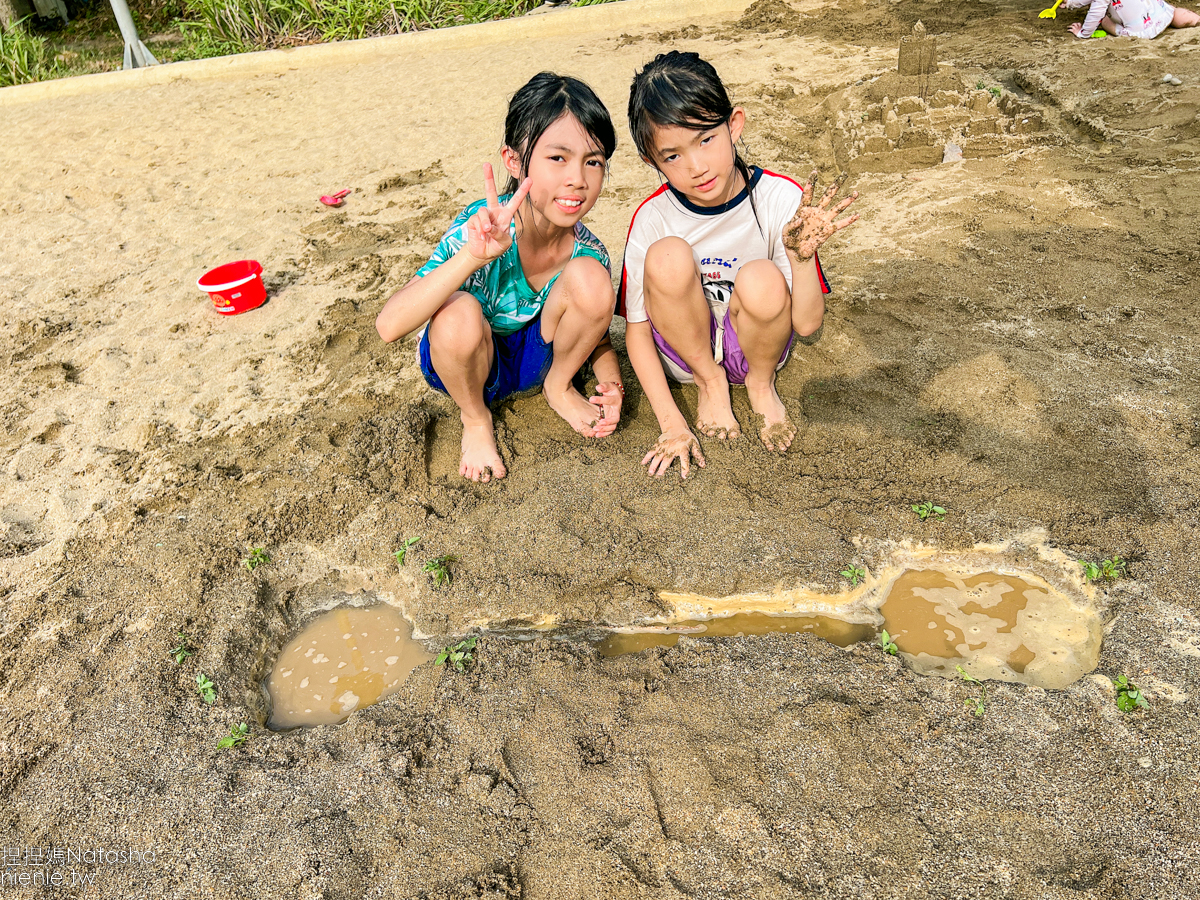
136 54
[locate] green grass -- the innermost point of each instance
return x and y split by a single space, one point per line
1129 695
258 557
24 56
262 24
458 655
439 568
886 644
200 29
402 553
853 574
206 689
1108 569
237 735
977 705
182 650
927 509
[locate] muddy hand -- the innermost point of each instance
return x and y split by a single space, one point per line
673 445
609 398
814 224
488 237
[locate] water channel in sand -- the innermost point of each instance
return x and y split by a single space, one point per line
998 620
1002 626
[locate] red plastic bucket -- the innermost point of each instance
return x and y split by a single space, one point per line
234 287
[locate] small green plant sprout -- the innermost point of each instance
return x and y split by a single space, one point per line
459 655
886 644
977 705
206 689
258 557
182 650
927 509
853 574
1108 569
980 85
994 91
439 568
402 553
237 735
1129 695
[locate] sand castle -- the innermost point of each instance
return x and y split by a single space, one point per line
906 118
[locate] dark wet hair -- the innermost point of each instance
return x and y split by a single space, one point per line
544 100
680 89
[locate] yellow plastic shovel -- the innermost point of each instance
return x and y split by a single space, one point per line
1052 12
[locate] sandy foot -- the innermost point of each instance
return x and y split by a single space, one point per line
714 412
574 409
777 430
480 457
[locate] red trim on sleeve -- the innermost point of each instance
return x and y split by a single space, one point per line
821 274
784 177
621 291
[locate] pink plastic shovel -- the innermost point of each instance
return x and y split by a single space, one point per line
335 199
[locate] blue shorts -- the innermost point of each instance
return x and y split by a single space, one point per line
521 363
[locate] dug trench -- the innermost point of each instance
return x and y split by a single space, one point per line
1023 355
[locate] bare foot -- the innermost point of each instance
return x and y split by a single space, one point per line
777 430
574 408
480 458
714 412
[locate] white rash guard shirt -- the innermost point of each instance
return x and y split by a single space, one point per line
723 238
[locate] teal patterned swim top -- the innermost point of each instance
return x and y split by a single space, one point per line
508 300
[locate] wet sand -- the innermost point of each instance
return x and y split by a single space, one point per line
1012 336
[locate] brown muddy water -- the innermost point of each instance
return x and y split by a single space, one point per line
997 621
998 625
343 660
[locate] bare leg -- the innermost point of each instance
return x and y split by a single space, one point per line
575 318
460 347
675 304
1184 18
761 313
1107 24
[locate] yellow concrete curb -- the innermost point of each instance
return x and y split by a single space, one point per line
560 23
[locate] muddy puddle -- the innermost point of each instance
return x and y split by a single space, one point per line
1028 619
1017 611
999 625
1031 620
343 660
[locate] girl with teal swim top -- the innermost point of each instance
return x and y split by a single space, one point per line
518 293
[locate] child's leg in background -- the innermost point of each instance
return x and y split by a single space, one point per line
678 310
760 312
575 318
461 351
1184 18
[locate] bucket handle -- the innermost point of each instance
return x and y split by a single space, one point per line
212 289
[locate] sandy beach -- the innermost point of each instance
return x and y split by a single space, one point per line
1012 335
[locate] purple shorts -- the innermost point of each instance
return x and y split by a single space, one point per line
726 350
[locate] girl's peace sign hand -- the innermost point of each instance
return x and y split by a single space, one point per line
814 225
487 231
